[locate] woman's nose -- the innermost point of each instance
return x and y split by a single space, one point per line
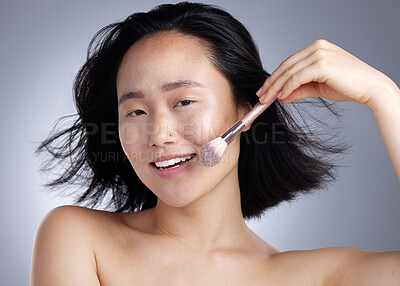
161 131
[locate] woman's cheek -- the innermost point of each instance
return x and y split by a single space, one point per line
201 128
130 136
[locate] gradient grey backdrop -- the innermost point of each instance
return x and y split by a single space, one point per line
43 44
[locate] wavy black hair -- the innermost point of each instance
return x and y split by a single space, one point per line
278 160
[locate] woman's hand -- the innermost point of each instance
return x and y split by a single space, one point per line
325 70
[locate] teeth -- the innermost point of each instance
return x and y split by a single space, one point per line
172 161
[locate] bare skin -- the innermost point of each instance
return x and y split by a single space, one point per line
196 234
101 248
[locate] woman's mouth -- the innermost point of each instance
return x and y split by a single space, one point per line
172 167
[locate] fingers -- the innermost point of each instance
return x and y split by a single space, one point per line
305 91
308 65
284 66
303 72
312 73
279 83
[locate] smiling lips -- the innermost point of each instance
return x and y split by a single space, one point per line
172 167
173 161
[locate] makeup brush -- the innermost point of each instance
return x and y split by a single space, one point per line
211 152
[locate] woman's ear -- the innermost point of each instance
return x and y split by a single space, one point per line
242 110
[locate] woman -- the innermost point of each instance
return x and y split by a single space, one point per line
158 86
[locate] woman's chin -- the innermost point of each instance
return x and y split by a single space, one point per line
178 199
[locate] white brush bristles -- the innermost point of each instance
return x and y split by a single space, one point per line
211 152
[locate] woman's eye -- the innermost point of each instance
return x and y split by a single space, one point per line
135 113
184 102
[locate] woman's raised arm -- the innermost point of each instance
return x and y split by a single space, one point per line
325 70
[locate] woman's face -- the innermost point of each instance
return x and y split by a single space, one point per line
167 85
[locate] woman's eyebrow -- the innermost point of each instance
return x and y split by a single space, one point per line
182 83
185 83
129 95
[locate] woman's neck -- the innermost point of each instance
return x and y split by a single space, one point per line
214 220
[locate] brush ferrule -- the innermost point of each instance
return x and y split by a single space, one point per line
233 132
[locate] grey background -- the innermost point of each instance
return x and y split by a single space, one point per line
43 44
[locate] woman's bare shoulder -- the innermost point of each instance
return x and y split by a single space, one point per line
91 224
64 240
78 217
76 210
80 211
344 265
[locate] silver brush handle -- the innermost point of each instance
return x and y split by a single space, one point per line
233 132
246 120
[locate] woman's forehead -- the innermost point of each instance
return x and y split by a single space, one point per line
169 45
166 57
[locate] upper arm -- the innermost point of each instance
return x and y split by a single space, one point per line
360 267
63 254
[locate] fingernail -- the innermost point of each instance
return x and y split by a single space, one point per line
259 92
280 94
262 97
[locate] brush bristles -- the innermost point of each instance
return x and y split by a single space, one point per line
211 153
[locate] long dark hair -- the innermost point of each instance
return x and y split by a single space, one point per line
279 158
